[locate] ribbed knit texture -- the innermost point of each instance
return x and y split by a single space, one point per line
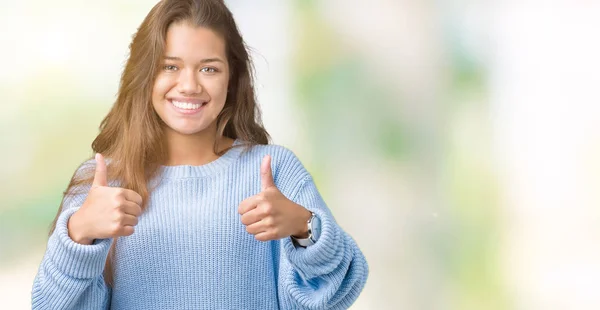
190 249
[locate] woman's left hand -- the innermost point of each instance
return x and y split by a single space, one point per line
269 215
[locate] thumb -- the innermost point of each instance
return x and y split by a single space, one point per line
100 178
266 175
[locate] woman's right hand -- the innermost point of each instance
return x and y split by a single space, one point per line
107 212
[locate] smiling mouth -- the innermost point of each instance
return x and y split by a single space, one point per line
187 107
187 104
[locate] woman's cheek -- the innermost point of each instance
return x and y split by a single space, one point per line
219 88
162 85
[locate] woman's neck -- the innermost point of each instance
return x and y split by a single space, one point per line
194 150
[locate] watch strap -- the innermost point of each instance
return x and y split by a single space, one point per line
310 240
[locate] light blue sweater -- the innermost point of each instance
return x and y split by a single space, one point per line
190 249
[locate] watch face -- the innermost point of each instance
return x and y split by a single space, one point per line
315 228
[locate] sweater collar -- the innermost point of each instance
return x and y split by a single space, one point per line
189 171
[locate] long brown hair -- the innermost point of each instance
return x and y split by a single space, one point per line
131 135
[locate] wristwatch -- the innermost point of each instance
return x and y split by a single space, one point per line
314 226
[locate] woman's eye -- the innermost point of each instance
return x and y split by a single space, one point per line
208 70
170 68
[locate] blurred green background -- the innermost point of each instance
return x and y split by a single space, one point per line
456 141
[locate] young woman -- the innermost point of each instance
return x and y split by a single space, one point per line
192 208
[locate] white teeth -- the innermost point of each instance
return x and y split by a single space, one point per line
186 105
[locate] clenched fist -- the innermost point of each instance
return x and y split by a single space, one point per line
107 212
269 215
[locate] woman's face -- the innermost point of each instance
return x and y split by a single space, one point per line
191 86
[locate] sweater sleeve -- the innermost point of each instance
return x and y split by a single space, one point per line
327 275
70 274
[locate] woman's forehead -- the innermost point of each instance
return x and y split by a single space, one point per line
190 43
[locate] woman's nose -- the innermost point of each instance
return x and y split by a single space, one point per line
189 83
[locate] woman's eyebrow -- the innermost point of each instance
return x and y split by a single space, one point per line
205 60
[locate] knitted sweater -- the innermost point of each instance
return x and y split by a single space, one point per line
191 251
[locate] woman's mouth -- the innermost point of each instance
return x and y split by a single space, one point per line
187 106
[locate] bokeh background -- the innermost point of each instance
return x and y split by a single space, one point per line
457 141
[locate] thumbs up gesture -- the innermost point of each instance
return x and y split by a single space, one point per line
107 212
269 215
